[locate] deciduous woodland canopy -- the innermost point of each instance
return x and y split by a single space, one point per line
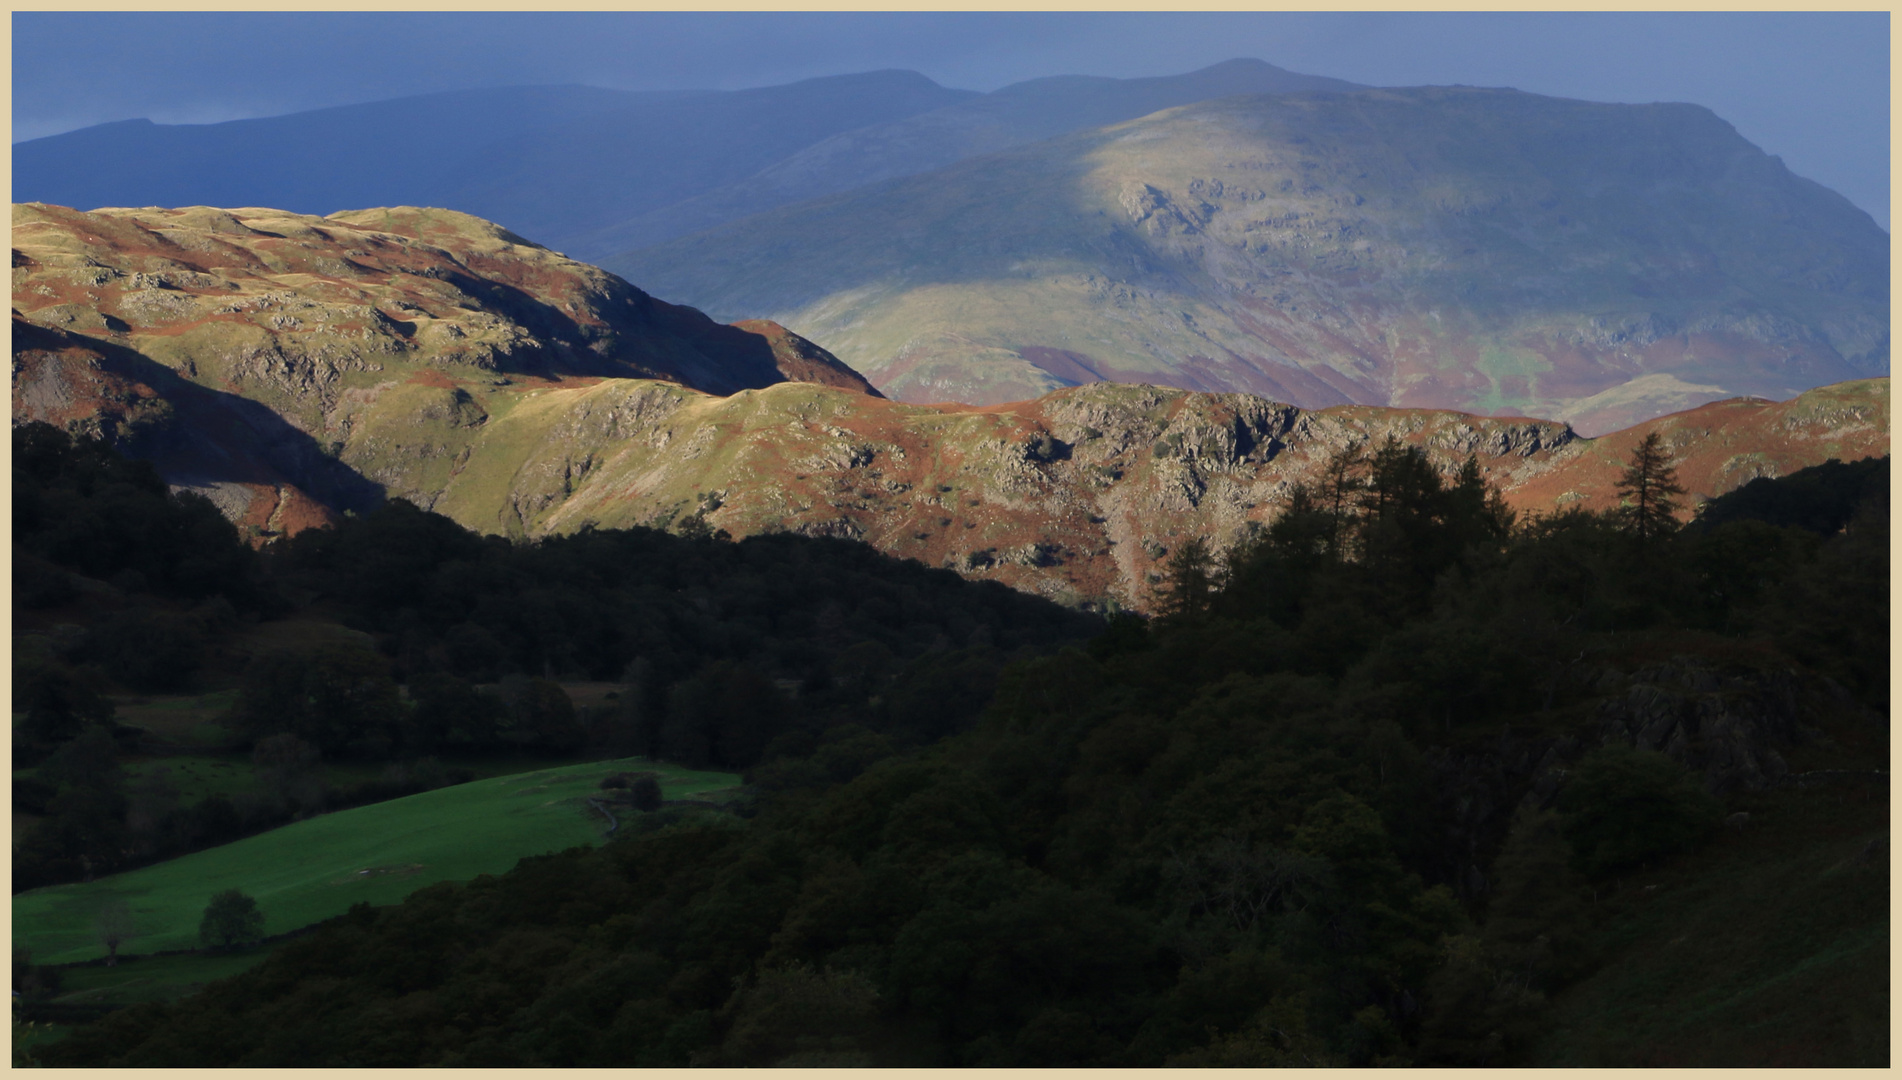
1361 797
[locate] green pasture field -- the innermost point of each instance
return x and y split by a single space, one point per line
28 1036
315 869
198 776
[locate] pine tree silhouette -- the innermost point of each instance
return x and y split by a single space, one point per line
1648 485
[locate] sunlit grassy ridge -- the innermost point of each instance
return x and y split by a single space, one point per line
317 868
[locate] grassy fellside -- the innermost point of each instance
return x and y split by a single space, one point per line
315 869
1769 947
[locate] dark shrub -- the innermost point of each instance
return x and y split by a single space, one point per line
231 919
1624 807
646 793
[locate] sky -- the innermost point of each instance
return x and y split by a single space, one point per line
1811 88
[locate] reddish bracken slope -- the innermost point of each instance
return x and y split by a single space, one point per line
291 368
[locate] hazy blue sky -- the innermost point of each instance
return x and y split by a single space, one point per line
1813 88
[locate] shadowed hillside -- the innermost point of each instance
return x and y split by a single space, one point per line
1411 785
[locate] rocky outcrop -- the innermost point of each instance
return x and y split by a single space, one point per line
290 366
304 362
1730 725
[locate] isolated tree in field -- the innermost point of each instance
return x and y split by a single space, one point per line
646 793
1647 486
231 919
114 927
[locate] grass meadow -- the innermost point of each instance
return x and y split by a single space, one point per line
316 868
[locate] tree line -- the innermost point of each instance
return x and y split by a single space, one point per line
726 649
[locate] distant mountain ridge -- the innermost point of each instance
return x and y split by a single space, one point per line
594 172
1017 114
548 162
1483 250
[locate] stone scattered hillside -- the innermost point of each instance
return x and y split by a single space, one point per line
1724 445
293 367
252 350
1456 248
1077 495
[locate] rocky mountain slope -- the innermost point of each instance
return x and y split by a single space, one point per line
550 162
1452 248
1077 495
291 367
254 352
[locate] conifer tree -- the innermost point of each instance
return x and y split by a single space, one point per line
1648 485
1190 579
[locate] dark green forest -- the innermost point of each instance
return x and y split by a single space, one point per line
727 650
1383 785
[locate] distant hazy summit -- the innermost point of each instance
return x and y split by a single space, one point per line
1021 113
549 162
1490 251
590 171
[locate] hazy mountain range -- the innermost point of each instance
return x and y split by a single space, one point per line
550 162
594 172
1023 113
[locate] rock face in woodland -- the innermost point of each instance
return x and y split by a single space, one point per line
1730 723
